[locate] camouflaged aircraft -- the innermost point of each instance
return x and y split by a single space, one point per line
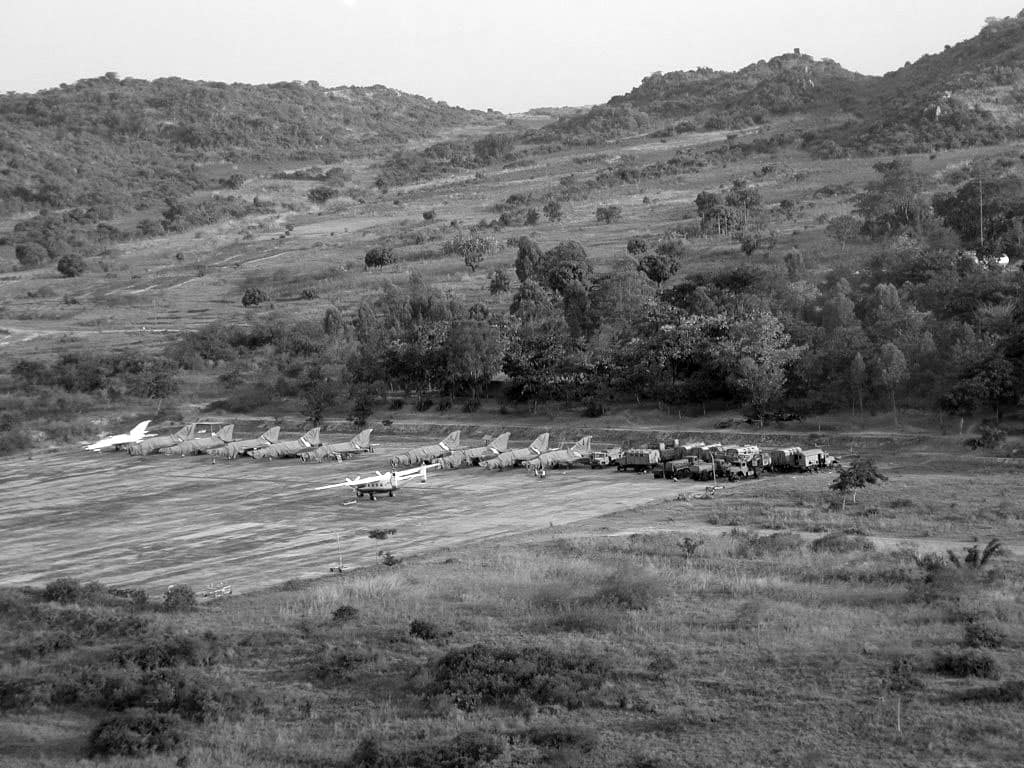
340 451
427 452
154 444
199 445
238 448
471 457
515 457
290 448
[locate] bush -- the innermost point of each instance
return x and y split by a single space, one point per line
378 258
840 543
180 597
980 634
750 545
253 297
1008 692
345 613
381 533
424 404
606 214
136 733
484 674
171 650
62 590
467 750
396 404
632 588
560 737
966 664
471 406
593 408
424 630
71 265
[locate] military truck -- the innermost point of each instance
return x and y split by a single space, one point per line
688 467
601 459
639 459
815 460
739 470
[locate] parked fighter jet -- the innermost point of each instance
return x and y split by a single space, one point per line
289 448
242 447
427 452
199 445
154 444
340 451
473 456
515 457
135 435
564 457
381 482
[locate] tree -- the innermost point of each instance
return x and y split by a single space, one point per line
528 258
794 260
657 267
472 248
892 370
606 214
895 203
532 216
567 262
322 194
332 322
985 209
636 245
379 257
860 473
501 281
756 354
553 210
71 265
473 353
843 229
31 254
318 394
253 297
858 378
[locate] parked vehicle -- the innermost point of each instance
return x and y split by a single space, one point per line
607 458
640 459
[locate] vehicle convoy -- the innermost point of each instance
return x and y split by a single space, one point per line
688 467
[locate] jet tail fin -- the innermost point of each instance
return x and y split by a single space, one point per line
185 433
227 433
139 430
312 437
452 441
363 438
500 443
582 445
540 443
271 434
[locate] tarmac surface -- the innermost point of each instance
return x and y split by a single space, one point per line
153 521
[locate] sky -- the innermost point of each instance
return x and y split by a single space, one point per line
510 56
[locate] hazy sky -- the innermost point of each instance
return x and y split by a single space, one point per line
509 55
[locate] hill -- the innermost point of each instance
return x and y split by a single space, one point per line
969 94
104 140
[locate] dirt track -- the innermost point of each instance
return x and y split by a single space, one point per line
152 521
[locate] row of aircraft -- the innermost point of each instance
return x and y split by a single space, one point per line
446 453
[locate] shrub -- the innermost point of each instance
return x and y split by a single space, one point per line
379 257
424 630
136 733
562 736
428 215
396 404
980 634
382 533
471 406
71 265
484 674
606 214
966 664
62 590
1008 692
632 588
839 543
253 297
593 408
424 404
171 650
750 545
467 750
345 613
180 597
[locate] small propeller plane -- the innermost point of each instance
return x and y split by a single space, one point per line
136 434
381 482
340 451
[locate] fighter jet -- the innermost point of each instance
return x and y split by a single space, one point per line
515 457
470 457
564 457
199 445
381 482
427 452
154 444
289 448
340 451
238 448
135 435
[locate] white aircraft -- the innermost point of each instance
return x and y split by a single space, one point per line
381 482
137 434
